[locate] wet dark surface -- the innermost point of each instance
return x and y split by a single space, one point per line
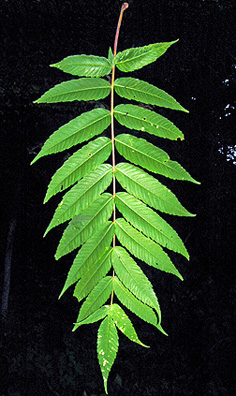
40 355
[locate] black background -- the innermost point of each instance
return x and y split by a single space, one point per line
40 355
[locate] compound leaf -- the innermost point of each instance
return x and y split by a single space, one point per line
136 58
144 248
89 254
82 195
78 130
85 65
145 154
149 222
141 91
133 278
107 347
81 89
124 324
85 224
149 190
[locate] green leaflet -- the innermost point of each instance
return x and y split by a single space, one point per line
78 130
98 296
110 57
133 278
133 304
89 254
107 347
124 324
135 117
144 248
82 195
141 91
79 164
136 58
85 224
145 154
149 190
85 65
149 222
93 275
81 89
95 317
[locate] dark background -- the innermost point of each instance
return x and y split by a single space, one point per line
39 354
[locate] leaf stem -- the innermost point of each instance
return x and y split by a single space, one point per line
123 8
